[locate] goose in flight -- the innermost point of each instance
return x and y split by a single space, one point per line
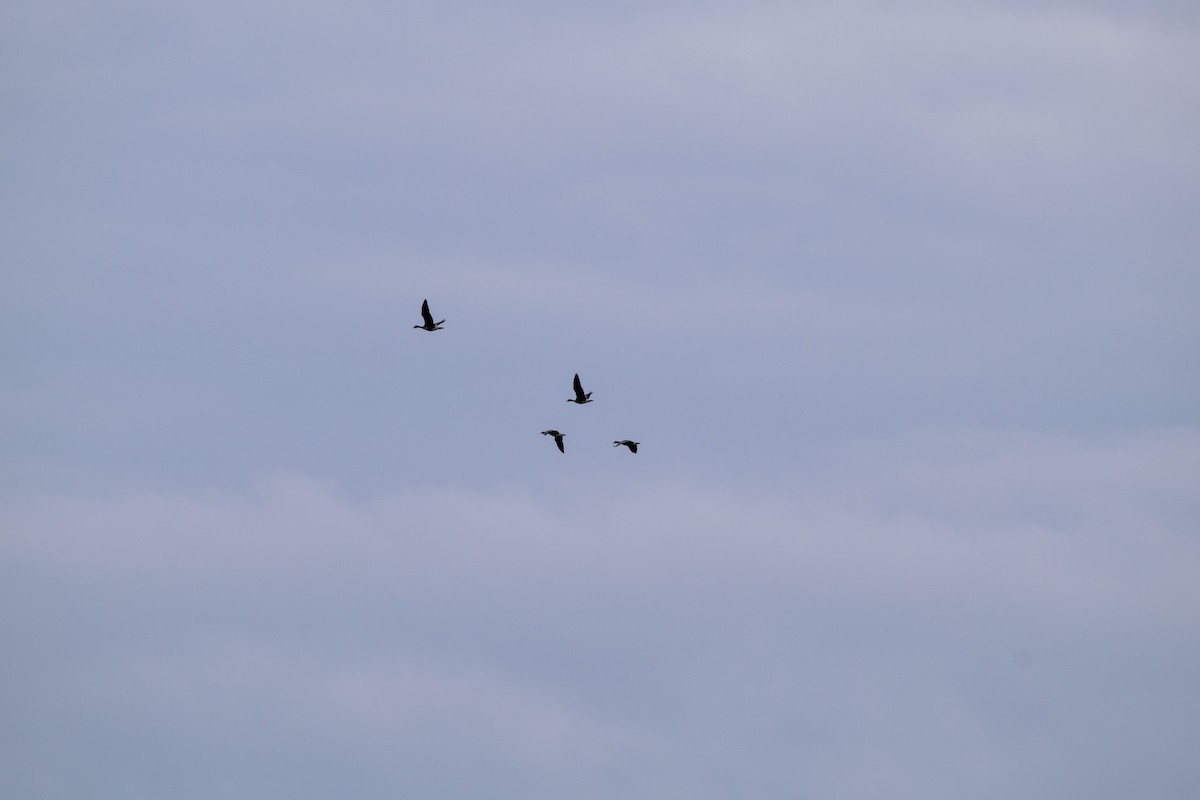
558 437
579 397
631 445
429 325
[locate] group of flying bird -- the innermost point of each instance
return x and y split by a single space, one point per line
580 397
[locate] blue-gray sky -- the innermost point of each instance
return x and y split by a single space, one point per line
900 299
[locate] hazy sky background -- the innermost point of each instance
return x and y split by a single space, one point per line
901 300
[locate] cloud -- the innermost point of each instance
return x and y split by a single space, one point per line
898 299
812 221
930 614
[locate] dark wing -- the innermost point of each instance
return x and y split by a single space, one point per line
558 441
632 446
425 313
579 395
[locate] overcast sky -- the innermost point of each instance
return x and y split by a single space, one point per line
901 299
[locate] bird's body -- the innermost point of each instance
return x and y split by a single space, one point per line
558 438
429 325
579 397
631 445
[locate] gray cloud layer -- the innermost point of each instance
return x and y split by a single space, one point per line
900 300
942 616
886 218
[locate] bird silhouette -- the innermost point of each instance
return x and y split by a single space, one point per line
579 397
631 445
558 438
429 325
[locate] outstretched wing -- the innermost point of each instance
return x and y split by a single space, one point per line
425 314
558 440
579 388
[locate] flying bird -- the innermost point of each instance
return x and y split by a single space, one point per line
429 325
631 445
558 437
579 397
